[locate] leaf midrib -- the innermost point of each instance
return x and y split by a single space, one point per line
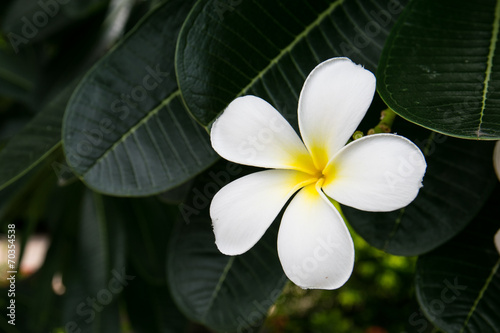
287 49
480 295
131 130
218 286
491 54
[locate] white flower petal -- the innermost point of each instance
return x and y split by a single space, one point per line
333 101
497 241
314 244
242 211
378 173
496 159
251 131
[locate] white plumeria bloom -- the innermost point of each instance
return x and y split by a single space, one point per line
496 159
496 164
381 172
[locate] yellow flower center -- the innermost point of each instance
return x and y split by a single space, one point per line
315 165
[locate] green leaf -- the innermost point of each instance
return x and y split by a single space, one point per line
26 198
458 180
148 224
149 304
18 74
225 293
126 130
267 48
178 194
151 308
457 284
439 67
27 21
35 142
96 274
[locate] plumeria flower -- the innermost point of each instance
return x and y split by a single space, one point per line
496 164
378 173
496 159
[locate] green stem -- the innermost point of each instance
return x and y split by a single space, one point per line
386 120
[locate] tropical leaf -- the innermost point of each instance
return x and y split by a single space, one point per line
458 283
267 48
439 67
225 293
28 21
40 138
148 224
96 275
18 74
151 308
126 131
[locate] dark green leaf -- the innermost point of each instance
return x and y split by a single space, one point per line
27 21
26 198
267 48
458 180
439 67
18 74
149 304
224 293
35 142
97 273
151 308
458 283
178 194
148 223
126 130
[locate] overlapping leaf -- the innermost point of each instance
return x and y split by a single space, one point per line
148 223
18 74
458 283
96 274
267 48
227 294
40 137
126 130
439 67
28 21
151 309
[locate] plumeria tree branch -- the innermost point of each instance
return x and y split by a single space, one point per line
386 120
